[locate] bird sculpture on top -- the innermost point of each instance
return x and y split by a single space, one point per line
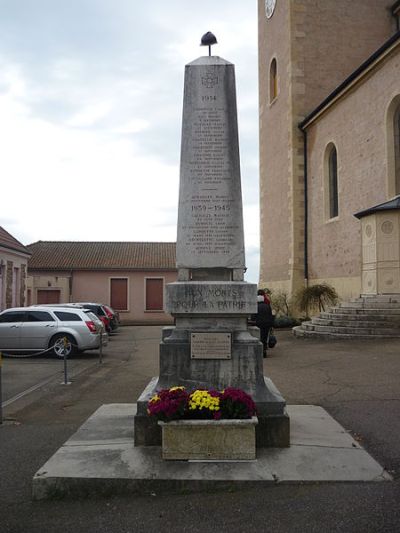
208 39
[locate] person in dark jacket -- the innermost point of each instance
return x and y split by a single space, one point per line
264 320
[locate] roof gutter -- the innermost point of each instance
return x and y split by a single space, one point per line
16 250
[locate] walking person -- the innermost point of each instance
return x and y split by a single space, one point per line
264 319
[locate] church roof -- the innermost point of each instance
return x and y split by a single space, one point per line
394 203
350 80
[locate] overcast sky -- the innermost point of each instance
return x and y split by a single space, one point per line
90 114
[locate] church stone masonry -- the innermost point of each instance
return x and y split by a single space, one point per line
210 345
316 46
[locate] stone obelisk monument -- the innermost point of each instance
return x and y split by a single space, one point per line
210 345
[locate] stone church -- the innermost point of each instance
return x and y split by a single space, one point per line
329 108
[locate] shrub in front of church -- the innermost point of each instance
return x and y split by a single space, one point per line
317 296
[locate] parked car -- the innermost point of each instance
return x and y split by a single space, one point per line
98 310
75 306
113 316
59 329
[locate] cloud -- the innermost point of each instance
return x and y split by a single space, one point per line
91 96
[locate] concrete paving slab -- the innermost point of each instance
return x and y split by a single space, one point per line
312 425
100 458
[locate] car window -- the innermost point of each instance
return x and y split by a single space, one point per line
92 316
97 309
39 316
67 317
13 316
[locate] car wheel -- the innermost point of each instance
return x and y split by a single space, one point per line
63 344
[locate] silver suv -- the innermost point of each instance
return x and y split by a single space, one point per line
60 330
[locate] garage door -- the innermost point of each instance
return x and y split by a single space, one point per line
48 296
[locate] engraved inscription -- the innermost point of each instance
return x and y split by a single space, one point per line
211 345
211 226
210 221
229 299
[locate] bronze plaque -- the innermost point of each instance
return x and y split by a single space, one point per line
211 345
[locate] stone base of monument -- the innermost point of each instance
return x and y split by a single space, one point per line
101 459
233 440
243 369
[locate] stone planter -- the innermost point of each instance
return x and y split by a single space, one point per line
209 439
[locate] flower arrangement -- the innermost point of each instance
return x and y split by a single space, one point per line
177 404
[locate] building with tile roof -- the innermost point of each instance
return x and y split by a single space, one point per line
13 269
129 276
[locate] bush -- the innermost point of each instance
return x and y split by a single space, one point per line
285 322
316 296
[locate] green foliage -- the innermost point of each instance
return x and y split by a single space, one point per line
285 322
316 297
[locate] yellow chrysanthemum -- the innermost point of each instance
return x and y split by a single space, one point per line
172 389
154 399
200 399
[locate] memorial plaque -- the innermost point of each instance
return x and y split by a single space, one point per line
210 345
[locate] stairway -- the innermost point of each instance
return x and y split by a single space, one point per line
361 318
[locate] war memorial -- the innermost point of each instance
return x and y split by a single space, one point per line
210 345
118 449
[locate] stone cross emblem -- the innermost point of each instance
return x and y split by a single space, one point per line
209 80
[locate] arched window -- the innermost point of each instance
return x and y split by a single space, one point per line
331 182
273 81
393 147
396 138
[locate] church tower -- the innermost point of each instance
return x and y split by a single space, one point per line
306 49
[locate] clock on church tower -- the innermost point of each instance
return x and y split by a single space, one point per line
269 7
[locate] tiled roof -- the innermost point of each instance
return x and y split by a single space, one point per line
8 241
73 255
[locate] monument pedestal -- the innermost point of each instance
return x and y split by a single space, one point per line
212 362
272 430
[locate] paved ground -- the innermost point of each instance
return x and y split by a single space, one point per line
356 382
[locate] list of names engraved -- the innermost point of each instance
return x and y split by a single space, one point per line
211 225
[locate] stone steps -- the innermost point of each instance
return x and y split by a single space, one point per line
368 305
356 323
391 298
366 310
299 332
348 330
364 317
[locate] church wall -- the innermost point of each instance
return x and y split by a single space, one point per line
333 37
356 124
317 43
276 170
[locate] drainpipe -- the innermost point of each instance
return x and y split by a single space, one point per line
70 286
396 14
304 131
